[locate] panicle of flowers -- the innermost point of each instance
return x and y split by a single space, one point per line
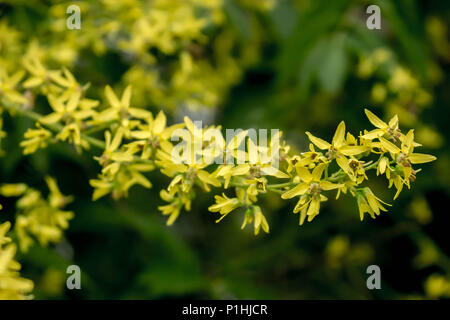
195 158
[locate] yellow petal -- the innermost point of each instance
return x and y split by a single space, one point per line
353 150
327 185
393 123
343 163
420 158
126 97
373 134
240 169
339 135
314 207
139 113
140 134
407 143
33 82
303 173
389 146
160 123
116 140
383 164
55 103
208 178
297 190
377 122
73 101
272 171
112 98
318 170
321 144
51 118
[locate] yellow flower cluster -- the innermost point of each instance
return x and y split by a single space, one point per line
38 218
136 142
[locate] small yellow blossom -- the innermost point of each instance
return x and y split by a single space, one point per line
35 139
8 86
224 205
310 191
368 202
339 148
391 129
120 110
154 134
255 215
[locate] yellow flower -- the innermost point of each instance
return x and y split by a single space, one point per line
437 286
310 190
378 93
346 185
224 205
203 144
71 133
36 138
339 148
176 204
112 157
118 178
254 214
368 202
311 182
56 198
8 86
68 82
404 156
152 135
260 162
357 170
231 154
383 166
120 109
172 210
311 157
391 129
65 112
228 171
185 175
255 185
39 74
402 80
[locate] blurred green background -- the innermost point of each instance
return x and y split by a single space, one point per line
293 65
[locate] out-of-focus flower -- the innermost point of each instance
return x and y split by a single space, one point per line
12 285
